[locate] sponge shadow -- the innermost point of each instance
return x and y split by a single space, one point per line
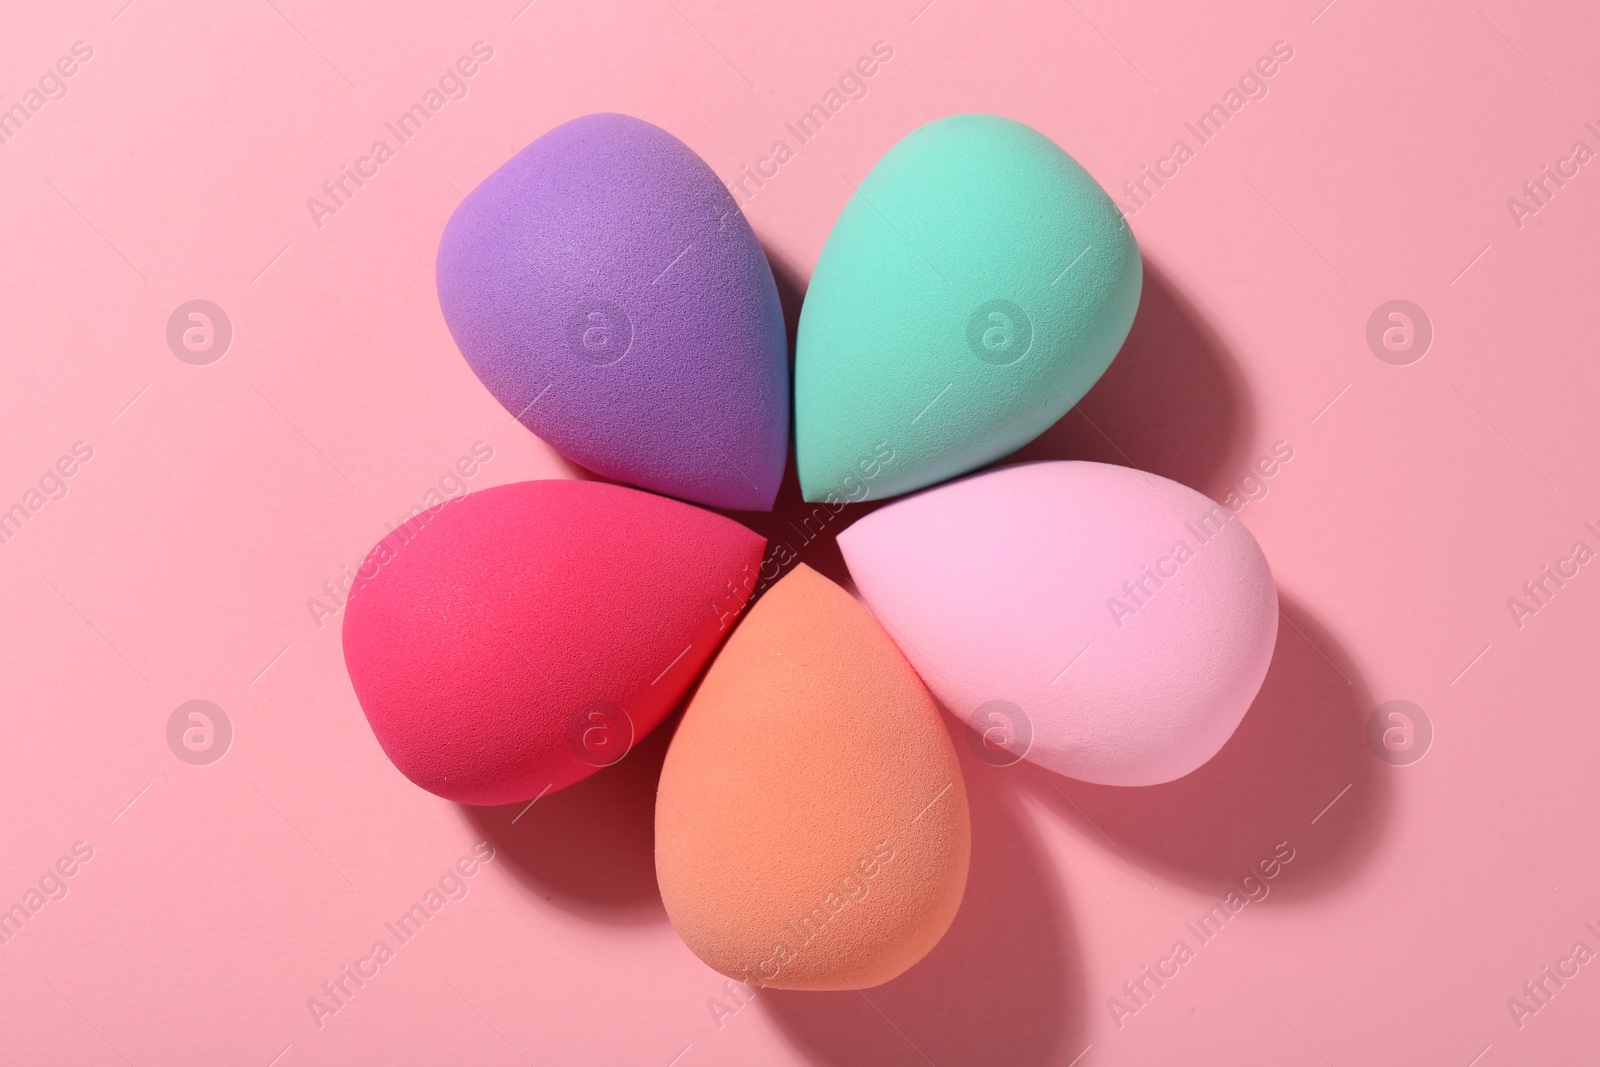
1301 745
590 848
797 531
1173 402
1003 986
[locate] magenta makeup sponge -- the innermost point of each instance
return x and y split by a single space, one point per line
513 641
1106 623
605 287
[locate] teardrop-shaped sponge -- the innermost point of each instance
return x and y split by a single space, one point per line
515 640
812 829
1108 623
604 286
973 289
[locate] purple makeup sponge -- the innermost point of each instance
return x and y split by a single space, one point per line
608 291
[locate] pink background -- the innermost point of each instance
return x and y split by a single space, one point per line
219 498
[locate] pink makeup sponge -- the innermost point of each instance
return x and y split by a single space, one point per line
1106 623
517 639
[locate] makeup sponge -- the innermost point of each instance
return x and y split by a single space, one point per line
514 640
974 288
811 824
605 287
1109 624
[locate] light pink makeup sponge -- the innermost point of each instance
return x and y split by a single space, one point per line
517 639
1106 623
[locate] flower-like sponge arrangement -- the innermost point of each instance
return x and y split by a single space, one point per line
812 829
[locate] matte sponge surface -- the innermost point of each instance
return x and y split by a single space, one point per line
1109 624
517 639
812 829
973 289
605 287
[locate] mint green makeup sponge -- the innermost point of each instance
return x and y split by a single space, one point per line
975 286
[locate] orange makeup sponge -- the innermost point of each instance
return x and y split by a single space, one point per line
812 829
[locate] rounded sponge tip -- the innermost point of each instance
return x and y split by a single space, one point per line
812 829
515 640
1104 622
607 290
